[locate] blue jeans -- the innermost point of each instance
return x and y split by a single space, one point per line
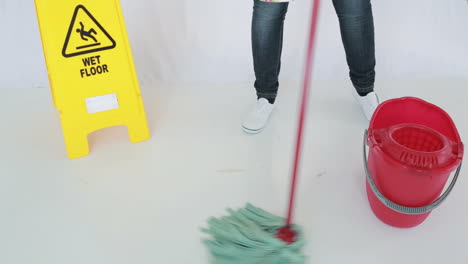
357 34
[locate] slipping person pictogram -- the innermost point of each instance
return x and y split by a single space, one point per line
86 34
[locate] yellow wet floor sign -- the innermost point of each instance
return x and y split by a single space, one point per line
91 71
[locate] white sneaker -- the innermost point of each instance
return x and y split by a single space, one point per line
258 117
368 103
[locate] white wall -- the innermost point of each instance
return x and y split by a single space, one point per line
209 41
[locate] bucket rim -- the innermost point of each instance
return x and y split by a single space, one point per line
456 160
454 149
384 104
451 166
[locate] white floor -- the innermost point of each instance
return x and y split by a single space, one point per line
145 203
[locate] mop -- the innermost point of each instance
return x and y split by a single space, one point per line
251 235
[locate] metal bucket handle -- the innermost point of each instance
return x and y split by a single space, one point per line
400 208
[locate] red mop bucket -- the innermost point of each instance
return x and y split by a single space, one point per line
414 146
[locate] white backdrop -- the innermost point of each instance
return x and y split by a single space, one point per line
209 41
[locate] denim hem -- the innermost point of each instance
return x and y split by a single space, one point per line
364 88
267 95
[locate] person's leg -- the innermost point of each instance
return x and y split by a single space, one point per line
267 43
357 33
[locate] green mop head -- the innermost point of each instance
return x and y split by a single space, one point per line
249 236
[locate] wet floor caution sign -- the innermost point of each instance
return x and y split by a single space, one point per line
91 72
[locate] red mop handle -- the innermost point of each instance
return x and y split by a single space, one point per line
303 110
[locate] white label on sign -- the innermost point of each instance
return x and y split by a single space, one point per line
102 103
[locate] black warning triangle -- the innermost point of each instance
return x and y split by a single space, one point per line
84 37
